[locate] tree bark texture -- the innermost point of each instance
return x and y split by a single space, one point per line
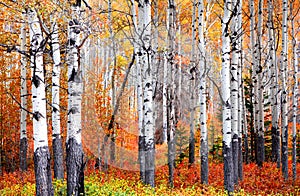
42 171
75 167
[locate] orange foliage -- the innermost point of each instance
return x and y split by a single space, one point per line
257 181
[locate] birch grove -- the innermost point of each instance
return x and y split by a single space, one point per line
162 92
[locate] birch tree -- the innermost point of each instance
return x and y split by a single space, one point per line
202 96
56 130
226 109
74 151
23 94
284 107
139 86
295 56
191 89
234 89
260 90
274 86
113 58
242 128
145 60
172 90
41 150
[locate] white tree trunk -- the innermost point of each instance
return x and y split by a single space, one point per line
234 90
23 94
192 88
272 61
202 94
284 106
56 131
145 60
41 149
260 90
253 65
139 89
165 98
172 90
240 90
226 110
113 58
294 94
75 88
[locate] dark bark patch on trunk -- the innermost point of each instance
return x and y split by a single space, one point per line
275 145
192 149
58 157
75 168
284 151
171 160
240 161
150 167
23 154
228 169
42 170
260 150
142 157
204 162
235 151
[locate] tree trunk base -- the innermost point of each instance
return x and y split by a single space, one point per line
23 154
228 169
75 168
58 157
42 170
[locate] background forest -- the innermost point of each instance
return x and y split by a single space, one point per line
140 97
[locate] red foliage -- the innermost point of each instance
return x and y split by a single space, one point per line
263 181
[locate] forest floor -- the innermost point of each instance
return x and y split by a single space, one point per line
257 181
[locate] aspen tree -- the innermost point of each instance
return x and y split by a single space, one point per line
56 130
41 150
225 88
145 60
74 150
139 89
202 94
284 106
23 94
192 87
274 87
234 89
226 109
172 90
296 52
260 90
241 120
